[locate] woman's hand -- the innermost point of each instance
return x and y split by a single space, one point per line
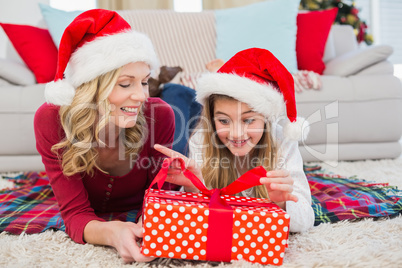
123 236
126 235
175 174
279 185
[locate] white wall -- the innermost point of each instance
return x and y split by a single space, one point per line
28 12
384 19
18 12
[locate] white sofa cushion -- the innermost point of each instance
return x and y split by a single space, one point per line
361 108
353 88
18 105
4 82
354 61
382 67
344 39
329 52
16 73
21 99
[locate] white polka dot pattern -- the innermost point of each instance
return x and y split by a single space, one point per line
175 228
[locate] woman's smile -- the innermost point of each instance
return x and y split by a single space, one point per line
130 110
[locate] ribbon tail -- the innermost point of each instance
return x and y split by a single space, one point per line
249 179
196 181
220 229
162 174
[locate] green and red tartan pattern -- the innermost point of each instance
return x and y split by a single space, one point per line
32 208
337 198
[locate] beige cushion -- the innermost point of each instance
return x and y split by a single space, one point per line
16 73
344 39
329 52
18 105
355 61
21 99
353 109
4 82
382 67
350 151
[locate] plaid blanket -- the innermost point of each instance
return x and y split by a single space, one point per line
337 198
31 207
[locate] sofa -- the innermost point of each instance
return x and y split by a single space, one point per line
356 114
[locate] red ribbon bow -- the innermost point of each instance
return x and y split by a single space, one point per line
219 237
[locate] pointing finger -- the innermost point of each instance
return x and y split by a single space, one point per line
168 152
292 197
278 173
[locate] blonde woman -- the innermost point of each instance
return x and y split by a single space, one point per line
243 104
96 132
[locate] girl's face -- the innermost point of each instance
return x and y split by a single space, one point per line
237 126
129 93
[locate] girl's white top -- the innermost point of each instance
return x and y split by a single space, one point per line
289 158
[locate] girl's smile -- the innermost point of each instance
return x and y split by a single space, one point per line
238 127
239 143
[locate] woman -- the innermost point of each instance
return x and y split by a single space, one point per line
96 132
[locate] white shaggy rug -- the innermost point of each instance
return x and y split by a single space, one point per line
365 243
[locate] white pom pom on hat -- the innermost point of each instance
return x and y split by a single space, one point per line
297 130
59 93
96 42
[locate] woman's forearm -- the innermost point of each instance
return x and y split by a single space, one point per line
98 233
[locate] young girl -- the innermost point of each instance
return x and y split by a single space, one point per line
244 102
96 132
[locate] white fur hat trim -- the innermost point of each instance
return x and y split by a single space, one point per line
108 53
98 57
262 98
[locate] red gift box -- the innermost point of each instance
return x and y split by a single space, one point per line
213 225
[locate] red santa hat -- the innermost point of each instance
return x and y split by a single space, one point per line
96 42
256 77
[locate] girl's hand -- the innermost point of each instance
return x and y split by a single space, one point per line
175 175
279 186
124 238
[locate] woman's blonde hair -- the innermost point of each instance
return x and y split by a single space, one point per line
219 173
82 124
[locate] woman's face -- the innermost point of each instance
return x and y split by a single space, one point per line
129 93
237 126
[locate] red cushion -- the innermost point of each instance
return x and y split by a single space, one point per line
36 48
312 34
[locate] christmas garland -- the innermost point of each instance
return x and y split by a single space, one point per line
347 14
